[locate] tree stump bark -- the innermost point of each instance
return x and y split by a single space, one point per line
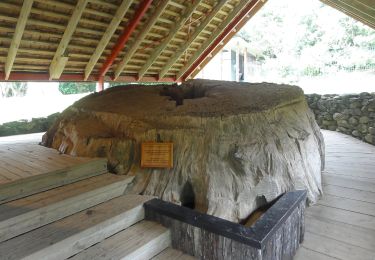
237 146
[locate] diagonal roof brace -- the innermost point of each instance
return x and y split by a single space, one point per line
175 28
14 45
124 37
234 18
141 36
60 59
115 22
195 34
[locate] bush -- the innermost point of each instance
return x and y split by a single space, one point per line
36 125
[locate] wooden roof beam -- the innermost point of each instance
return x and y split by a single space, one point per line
20 27
124 37
60 58
115 22
177 26
361 10
79 77
141 36
197 31
234 18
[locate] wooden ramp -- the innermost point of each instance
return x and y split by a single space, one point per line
342 224
27 168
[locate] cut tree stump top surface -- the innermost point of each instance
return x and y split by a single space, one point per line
342 224
22 157
201 98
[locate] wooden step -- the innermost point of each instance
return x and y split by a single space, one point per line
22 215
141 241
172 254
30 185
71 235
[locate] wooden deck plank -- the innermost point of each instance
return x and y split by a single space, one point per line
23 215
70 235
348 182
143 240
335 248
41 182
308 254
23 160
344 216
173 254
353 235
348 204
349 193
342 224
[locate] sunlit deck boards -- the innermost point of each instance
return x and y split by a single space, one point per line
23 160
342 224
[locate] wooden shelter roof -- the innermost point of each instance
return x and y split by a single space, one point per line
146 40
361 10
125 40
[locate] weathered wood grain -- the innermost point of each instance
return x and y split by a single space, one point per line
341 225
23 215
143 240
41 182
71 235
172 254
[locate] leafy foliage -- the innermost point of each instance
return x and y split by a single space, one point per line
68 88
36 125
294 38
13 89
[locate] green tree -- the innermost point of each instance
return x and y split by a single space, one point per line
13 89
68 88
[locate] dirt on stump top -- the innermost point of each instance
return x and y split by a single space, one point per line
193 98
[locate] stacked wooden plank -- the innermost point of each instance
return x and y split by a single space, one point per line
27 168
71 207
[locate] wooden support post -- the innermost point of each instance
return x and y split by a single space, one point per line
14 45
100 85
60 58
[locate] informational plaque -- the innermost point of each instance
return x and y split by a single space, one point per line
157 155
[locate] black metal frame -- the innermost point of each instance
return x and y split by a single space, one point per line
255 236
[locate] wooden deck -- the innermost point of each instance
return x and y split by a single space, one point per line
22 157
342 224
27 167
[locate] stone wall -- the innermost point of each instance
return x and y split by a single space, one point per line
352 114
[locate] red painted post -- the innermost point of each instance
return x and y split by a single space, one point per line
220 38
100 86
124 37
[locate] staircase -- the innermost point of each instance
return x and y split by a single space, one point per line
86 219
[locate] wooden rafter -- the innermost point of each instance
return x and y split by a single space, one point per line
217 48
60 58
20 27
177 26
195 34
115 22
245 6
361 10
141 36
32 76
46 45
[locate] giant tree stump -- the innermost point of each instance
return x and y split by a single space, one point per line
237 146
